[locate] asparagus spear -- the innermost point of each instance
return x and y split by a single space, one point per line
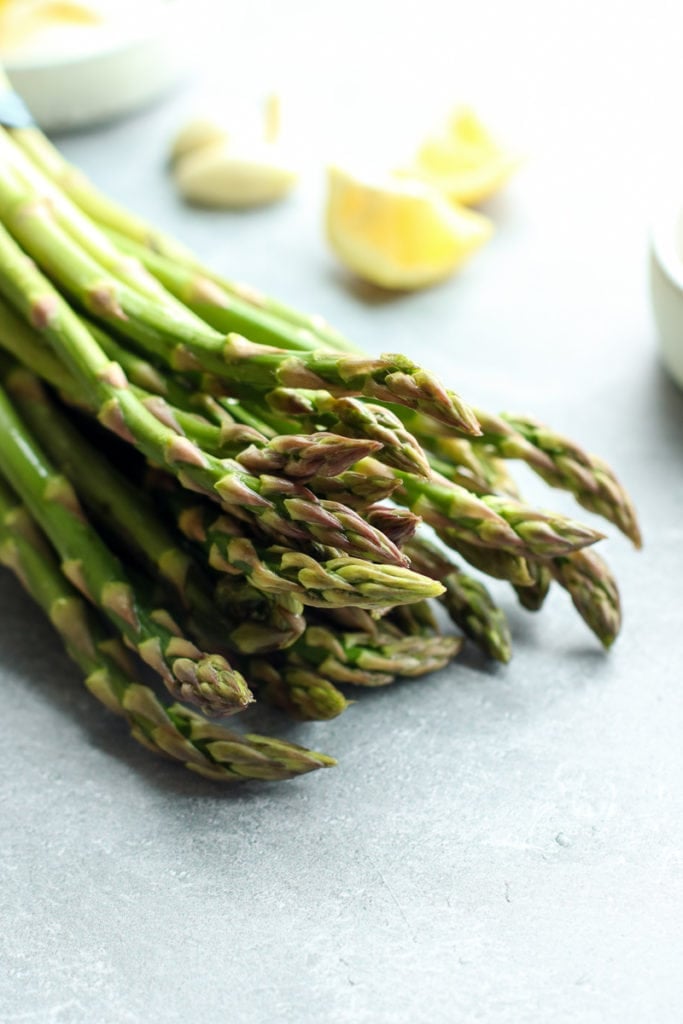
491 521
337 581
562 463
281 507
357 488
467 601
532 596
302 680
587 578
399 524
583 574
556 459
499 564
469 465
593 591
129 513
172 731
300 456
372 660
353 418
302 692
207 680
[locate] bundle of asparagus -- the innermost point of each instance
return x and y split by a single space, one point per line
228 489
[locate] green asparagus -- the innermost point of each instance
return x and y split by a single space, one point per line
189 674
259 487
172 731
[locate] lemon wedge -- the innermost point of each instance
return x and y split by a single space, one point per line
463 160
399 233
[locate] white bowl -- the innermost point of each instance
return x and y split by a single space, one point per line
666 285
124 69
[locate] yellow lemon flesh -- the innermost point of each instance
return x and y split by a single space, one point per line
399 233
464 161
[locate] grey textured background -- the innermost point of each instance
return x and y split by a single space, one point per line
497 845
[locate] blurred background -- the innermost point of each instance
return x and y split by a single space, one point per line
596 82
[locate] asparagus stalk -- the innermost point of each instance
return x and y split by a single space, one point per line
27 345
204 679
191 344
172 731
125 224
125 268
24 343
299 457
152 379
227 308
284 509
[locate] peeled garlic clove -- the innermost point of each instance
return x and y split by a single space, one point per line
195 135
220 176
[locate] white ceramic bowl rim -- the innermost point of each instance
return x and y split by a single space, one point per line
148 27
667 241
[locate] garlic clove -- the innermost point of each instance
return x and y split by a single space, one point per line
219 175
195 135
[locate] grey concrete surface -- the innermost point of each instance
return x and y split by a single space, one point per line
496 845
